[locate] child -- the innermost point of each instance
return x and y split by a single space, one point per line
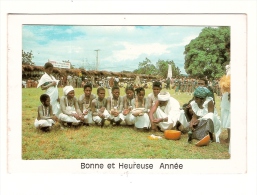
45 118
98 107
142 120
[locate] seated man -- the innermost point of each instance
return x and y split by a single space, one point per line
165 112
115 106
205 119
70 112
84 102
98 107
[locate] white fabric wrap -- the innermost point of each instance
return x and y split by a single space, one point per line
46 78
67 89
164 97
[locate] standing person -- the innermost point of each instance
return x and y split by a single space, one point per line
69 80
99 107
225 103
153 97
79 81
49 83
84 102
70 112
165 112
205 119
115 106
177 86
142 120
116 81
45 118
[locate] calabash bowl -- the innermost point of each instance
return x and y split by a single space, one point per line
204 142
172 134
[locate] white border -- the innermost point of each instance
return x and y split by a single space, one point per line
237 22
238 164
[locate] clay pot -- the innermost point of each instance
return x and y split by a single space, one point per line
204 142
172 134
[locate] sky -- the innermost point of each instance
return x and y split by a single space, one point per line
119 47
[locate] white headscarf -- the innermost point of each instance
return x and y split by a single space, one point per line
163 96
67 89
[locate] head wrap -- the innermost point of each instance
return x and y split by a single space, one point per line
67 89
163 96
201 92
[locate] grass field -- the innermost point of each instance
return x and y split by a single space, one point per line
110 142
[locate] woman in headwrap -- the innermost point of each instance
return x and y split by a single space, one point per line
70 112
205 119
165 112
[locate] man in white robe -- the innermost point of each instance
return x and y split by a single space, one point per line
165 112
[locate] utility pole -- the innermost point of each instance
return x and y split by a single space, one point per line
97 62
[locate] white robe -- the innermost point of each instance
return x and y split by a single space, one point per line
43 123
171 110
225 111
52 92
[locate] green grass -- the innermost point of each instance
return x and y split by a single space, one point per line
109 142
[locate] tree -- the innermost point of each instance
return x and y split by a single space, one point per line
208 54
145 67
163 66
27 58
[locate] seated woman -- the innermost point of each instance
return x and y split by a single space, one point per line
165 112
205 119
45 118
70 112
142 120
127 106
98 108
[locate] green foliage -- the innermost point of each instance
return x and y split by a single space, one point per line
161 68
27 58
208 53
146 67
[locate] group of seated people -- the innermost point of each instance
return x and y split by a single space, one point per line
157 111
